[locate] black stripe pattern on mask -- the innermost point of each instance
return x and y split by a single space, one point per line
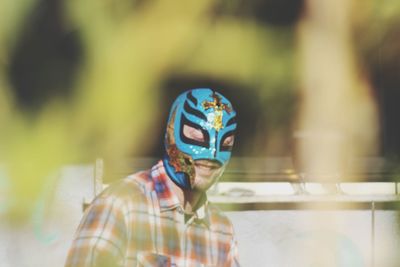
193 111
231 121
192 98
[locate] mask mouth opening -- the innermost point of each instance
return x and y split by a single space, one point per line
208 163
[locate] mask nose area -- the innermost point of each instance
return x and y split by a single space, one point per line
213 147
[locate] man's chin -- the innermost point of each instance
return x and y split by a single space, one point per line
203 183
205 173
201 188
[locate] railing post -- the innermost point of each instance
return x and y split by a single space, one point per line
98 176
372 234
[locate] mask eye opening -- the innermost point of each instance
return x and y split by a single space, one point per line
224 146
229 140
193 133
199 137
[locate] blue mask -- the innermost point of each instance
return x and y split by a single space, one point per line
201 125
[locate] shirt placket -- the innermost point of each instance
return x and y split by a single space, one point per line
186 233
183 234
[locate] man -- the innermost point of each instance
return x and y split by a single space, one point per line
161 217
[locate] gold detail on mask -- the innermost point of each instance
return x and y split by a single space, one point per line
218 107
179 160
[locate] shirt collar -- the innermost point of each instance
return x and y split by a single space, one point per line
166 195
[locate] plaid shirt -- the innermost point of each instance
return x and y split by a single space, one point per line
140 222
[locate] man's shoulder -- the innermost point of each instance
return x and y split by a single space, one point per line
137 184
219 220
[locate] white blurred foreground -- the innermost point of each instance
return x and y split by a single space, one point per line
277 225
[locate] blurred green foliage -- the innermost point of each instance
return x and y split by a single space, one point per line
129 49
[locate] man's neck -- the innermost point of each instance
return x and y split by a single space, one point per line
189 199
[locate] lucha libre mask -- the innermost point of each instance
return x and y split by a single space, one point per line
212 117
